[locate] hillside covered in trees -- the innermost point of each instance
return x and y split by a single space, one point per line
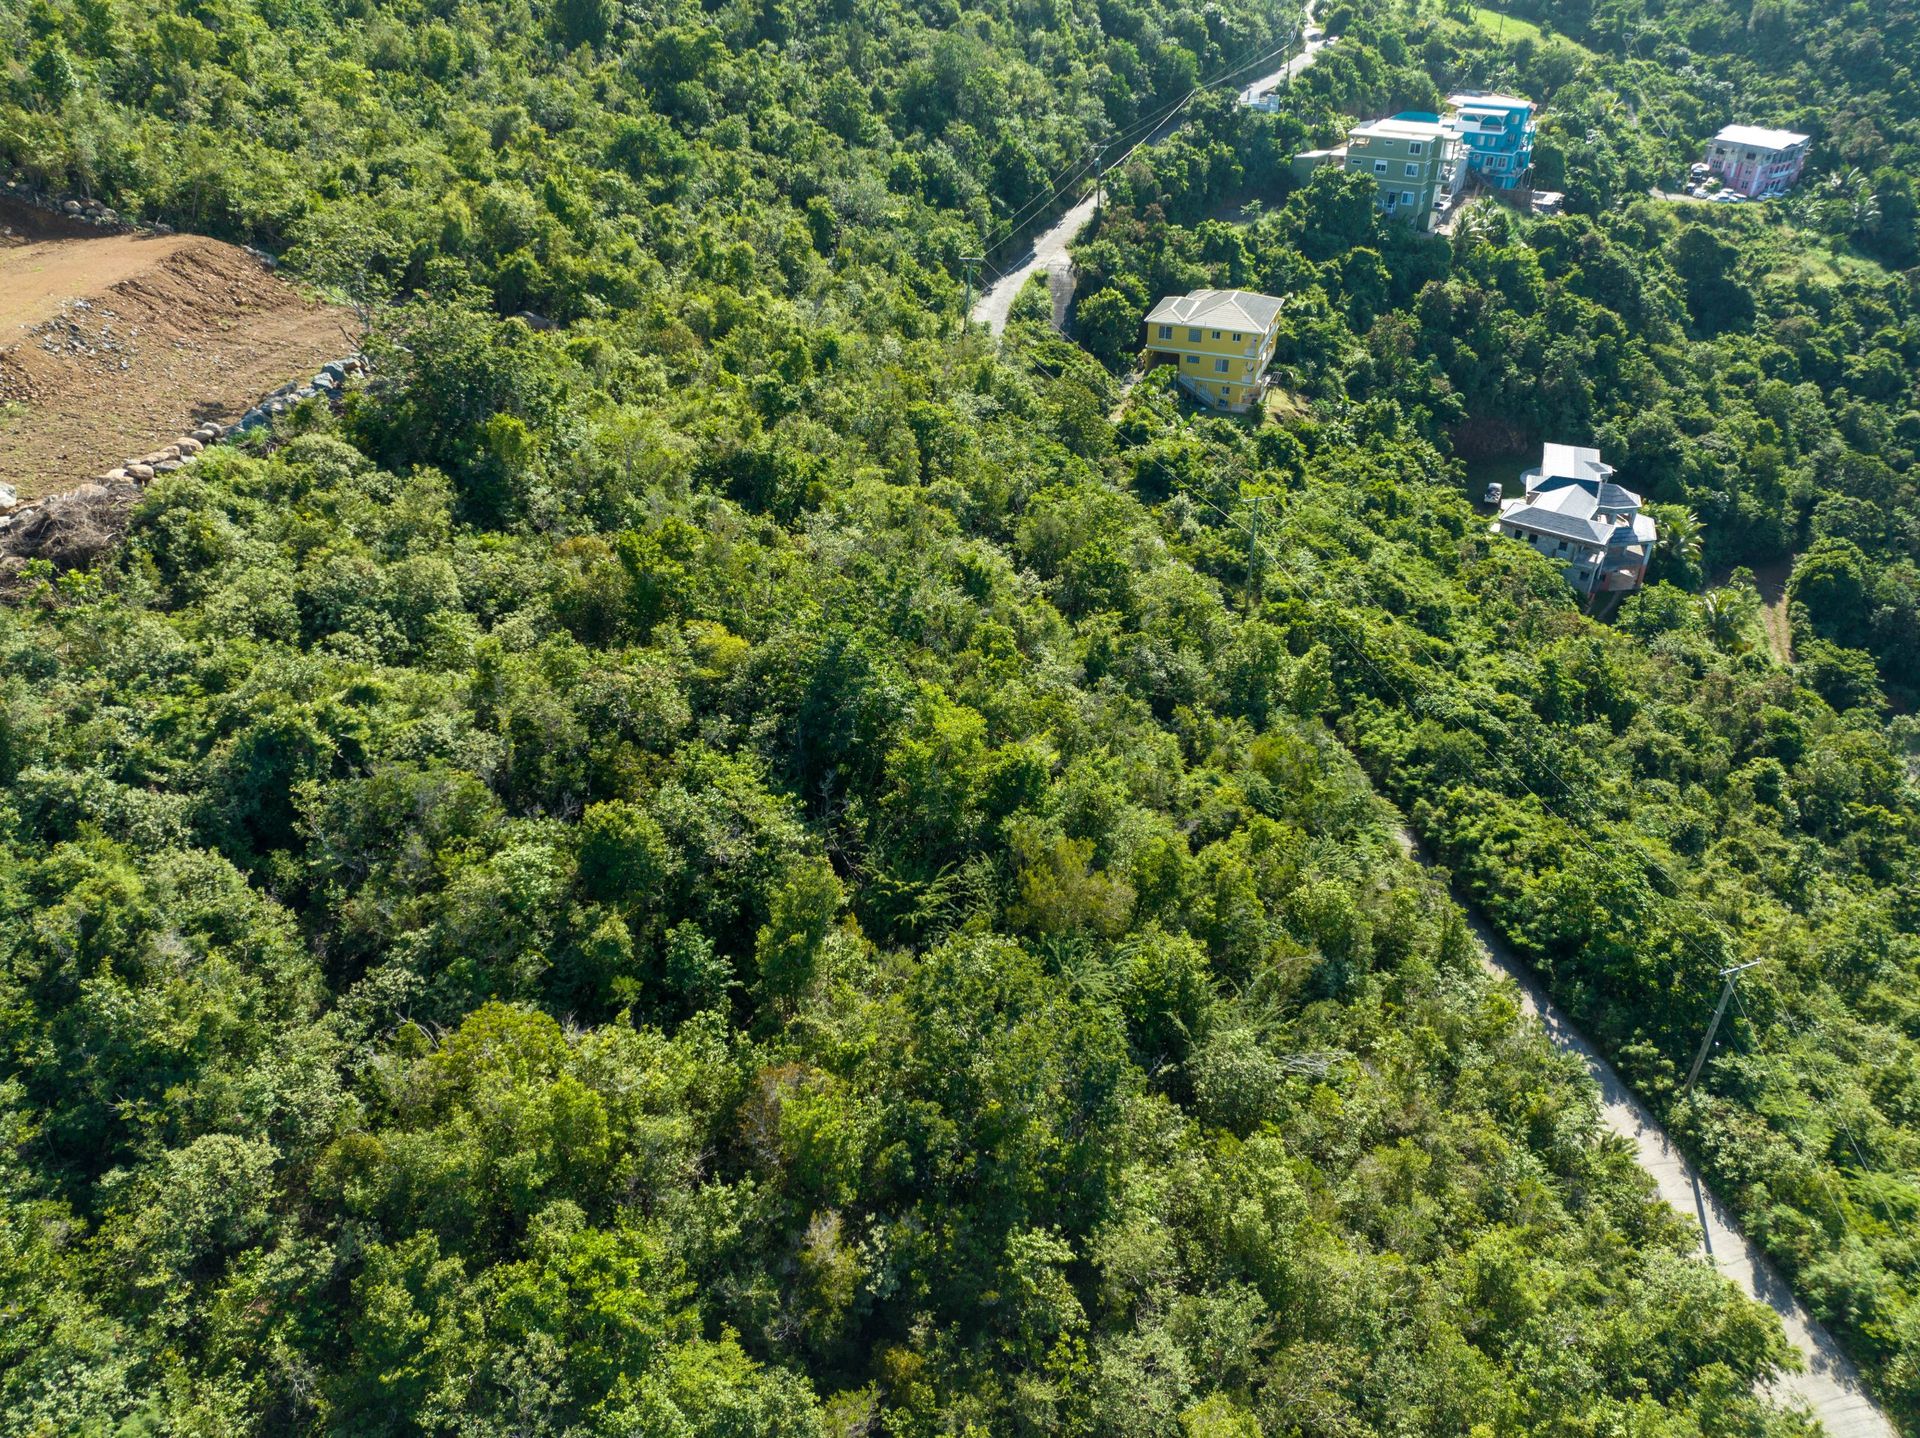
756 863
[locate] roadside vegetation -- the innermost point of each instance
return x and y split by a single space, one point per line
743 864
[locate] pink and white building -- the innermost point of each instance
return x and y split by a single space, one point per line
1757 161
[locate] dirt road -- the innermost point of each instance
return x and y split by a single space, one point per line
112 344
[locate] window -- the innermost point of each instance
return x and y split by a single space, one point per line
1219 366
1194 336
1563 546
1225 393
1407 196
1216 334
1166 332
1236 339
1193 359
1583 576
1379 167
1412 170
1415 148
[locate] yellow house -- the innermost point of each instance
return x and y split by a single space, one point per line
1221 340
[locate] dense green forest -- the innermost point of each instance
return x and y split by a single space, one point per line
757 864
1636 806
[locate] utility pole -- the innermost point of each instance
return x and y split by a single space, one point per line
971 262
1719 1011
1099 180
1253 550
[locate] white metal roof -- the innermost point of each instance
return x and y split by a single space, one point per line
1760 138
1572 461
1467 100
1218 309
1398 129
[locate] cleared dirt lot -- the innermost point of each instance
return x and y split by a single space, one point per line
113 344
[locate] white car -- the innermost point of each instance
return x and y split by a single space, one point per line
1494 493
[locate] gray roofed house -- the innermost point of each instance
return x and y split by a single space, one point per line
1237 309
1575 513
1219 341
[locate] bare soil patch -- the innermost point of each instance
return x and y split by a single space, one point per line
111 345
1771 581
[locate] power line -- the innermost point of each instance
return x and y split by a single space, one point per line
1833 1098
1677 896
1719 1012
1143 127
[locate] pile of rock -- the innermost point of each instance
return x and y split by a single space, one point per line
21 523
330 380
80 210
167 458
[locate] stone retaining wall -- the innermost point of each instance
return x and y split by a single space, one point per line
329 381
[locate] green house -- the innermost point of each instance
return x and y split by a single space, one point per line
1413 159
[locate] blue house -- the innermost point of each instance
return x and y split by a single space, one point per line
1496 131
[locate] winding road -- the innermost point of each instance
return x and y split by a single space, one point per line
1048 249
1830 1386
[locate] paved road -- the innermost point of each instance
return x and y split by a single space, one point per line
1048 251
1830 1386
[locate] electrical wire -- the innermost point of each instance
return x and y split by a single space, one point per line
1143 127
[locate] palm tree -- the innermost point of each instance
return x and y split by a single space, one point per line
1844 182
1680 536
1805 211
1727 616
1478 223
1864 209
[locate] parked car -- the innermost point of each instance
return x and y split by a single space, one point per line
1494 493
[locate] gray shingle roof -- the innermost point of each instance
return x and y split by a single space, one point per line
1532 516
1218 309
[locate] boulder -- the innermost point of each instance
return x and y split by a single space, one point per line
167 466
72 207
9 496
113 475
188 447
139 471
